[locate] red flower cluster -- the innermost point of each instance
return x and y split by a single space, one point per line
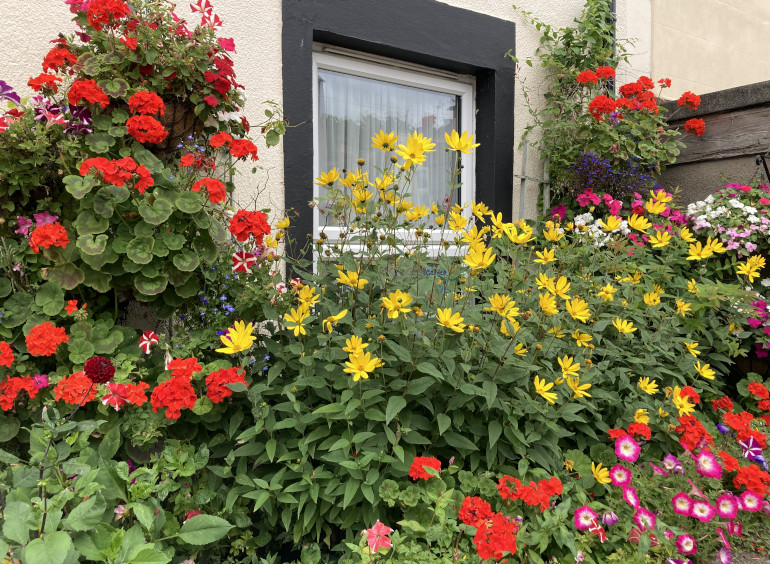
416 470
224 79
47 236
44 339
474 511
753 479
689 392
75 389
173 394
689 100
216 383
118 171
10 388
759 390
696 126
214 187
533 494
184 367
764 405
602 104
44 81
122 394
729 462
692 432
243 148
246 223
639 429
219 139
147 103
129 42
496 537
587 76
146 129
99 369
605 72
57 58
87 89
722 403
106 12
6 354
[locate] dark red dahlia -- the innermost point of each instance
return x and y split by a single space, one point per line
99 369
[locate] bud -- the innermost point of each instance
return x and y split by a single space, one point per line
393 159
381 338
361 162
609 518
539 347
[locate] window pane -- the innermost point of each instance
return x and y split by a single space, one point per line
352 109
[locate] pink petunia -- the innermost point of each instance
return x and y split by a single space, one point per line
721 532
630 497
703 511
645 519
727 506
377 537
682 504
658 470
734 527
708 465
685 544
725 556
585 517
672 463
751 501
620 475
626 448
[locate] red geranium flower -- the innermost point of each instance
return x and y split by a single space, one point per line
214 187
44 81
689 100
722 403
216 383
146 129
57 58
89 91
587 76
605 72
689 391
758 390
602 104
640 429
416 471
243 148
184 367
44 339
753 478
147 103
10 388
219 139
475 511
47 236
187 160
106 12
75 389
496 537
129 42
246 223
729 462
696 126
6 354
174 395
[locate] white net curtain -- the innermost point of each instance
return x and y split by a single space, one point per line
353 109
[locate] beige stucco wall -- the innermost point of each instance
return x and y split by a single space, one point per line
709 45
256 28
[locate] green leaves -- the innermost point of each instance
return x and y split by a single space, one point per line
79 186
395 404
157 212
87 515
92 245
100 143
50 298
139 249
52 549
204 529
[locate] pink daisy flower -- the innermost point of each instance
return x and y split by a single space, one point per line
708 465
727 506
703 511
629 494
585 517
626 448
682 504
620 475
685 544
751 501
644 519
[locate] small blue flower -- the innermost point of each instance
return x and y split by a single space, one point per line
267 357
223 298
722 428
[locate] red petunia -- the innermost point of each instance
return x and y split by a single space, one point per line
146 103
146 129
174 395
758 390
184 367
215 188
44 339
6 354
228 44
10 388
689 100
416 470
57 58
246 223
243 148
75 389
587 76
44 81
219 139
106 13
47 236
605 72
216 383
696 126
87 90
211 100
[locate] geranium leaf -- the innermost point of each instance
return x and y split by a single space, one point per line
204 529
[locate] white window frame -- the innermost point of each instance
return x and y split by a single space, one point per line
397 72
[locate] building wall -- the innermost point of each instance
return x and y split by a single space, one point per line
256 28
709 45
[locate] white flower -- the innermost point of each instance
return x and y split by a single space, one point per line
765 282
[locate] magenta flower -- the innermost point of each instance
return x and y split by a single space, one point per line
707 465
658 470
751 501
644 519
626 448
377 537
629 495
45 218
672 463
725 556
722 537
40 381
609 518
24 225
682 504
703 511
584 517
620 475
727 506
734 527
685 544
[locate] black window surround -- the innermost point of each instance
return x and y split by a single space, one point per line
425 32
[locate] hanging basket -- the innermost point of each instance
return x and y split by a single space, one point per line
180 121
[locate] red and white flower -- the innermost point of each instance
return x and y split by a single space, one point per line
243 261
146 341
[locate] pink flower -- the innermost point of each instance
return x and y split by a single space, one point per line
751 501
734 527
609 518
703 511
377 537
708 465
40 381
620 475
629 495
626 448
685 544
682 504
644 519
727 506
228 44
764 201
672 463
658 470
725 556
584 517
721 532
558 213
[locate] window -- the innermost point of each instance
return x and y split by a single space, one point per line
356 97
